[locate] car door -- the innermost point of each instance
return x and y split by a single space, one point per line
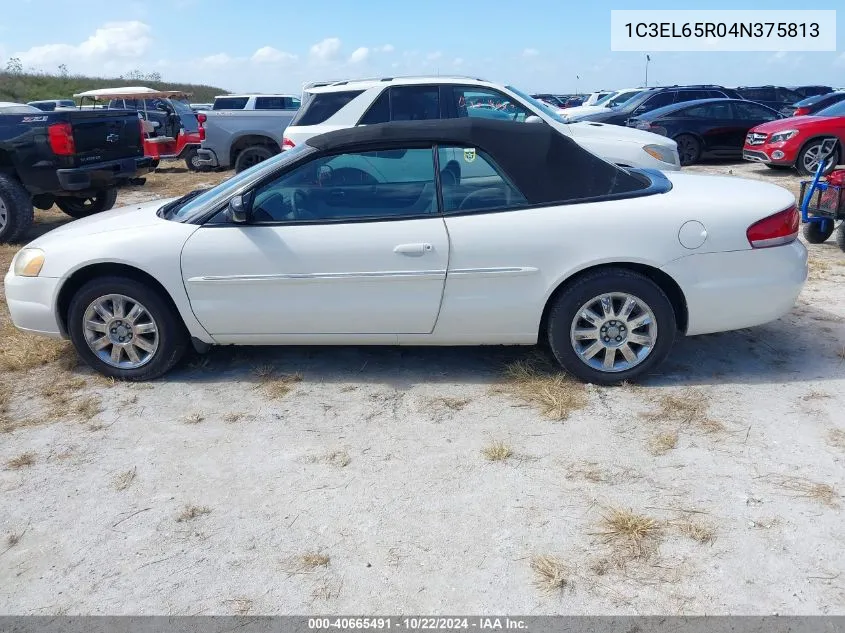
713 123
347 244
748 115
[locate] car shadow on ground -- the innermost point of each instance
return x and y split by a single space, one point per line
806 345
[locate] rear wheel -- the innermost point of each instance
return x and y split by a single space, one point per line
124 329
16 210
818 232
83 207
808 159
251 156
689 149
840 237
610 326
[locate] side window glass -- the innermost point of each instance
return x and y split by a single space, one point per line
414 103
656 101
348 187
471 181
269 103
752 112
483 103
379 112
690 95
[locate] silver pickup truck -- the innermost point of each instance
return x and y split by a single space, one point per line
240 138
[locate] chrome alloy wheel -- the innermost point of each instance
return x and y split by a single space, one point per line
812 157
120 331
613 332
4 214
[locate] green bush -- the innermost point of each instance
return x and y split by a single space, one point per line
24 87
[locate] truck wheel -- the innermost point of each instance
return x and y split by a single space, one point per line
16 211
251 156
83 207
191 158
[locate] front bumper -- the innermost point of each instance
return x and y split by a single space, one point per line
31 302
103 175
207 158
739 289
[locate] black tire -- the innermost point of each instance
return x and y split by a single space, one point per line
689 149
173 340
569 303
832 161
16 212
814 234
840 237
252 156
83 207
191 158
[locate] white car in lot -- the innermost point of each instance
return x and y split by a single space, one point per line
342 104
609 101
458 232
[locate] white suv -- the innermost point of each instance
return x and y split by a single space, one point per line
336 105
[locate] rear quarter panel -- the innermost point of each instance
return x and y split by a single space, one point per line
224 127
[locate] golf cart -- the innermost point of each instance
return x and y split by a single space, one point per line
171 130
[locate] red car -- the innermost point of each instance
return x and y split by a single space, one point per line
796 141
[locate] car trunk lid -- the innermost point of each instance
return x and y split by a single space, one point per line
104 135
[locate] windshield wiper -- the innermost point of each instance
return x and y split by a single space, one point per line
172 208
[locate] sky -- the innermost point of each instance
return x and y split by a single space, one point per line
273 46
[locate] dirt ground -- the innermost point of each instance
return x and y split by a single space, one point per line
383 480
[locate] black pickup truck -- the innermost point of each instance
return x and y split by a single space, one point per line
75 159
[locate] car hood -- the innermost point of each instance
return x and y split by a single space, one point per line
592 129
791 123
128 217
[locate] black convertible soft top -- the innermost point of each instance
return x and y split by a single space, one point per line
545 165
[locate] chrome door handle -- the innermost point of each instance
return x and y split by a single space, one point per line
413 249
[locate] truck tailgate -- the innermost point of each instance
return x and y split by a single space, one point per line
103 135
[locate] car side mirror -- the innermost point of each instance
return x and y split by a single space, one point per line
238 210
533 118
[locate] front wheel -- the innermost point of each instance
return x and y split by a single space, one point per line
83 207
124 329
192 160
809 156
610 326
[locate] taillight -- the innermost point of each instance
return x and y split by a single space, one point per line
775 230
287 144
201 119
801 111
60 137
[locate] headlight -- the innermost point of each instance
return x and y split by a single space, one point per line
661 153
780 137
28 262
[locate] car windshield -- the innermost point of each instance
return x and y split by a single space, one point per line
538 105
183 208
621 97
837 109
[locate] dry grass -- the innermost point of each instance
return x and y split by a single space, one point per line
241 606
233 417
808 489
632 535
339 458
24 460
662 443
87 407
123 480
497 451
588 471
836 438
536 382
191 512
689 407
549 573
20 351
313 560
699 532
13 539
194 418
453 404
818 268
275 385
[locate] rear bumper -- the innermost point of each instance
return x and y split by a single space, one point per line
103 175
207 158
739 289
31 301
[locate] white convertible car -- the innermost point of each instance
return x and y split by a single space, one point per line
453 232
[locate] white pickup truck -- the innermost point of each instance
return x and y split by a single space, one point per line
242 130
